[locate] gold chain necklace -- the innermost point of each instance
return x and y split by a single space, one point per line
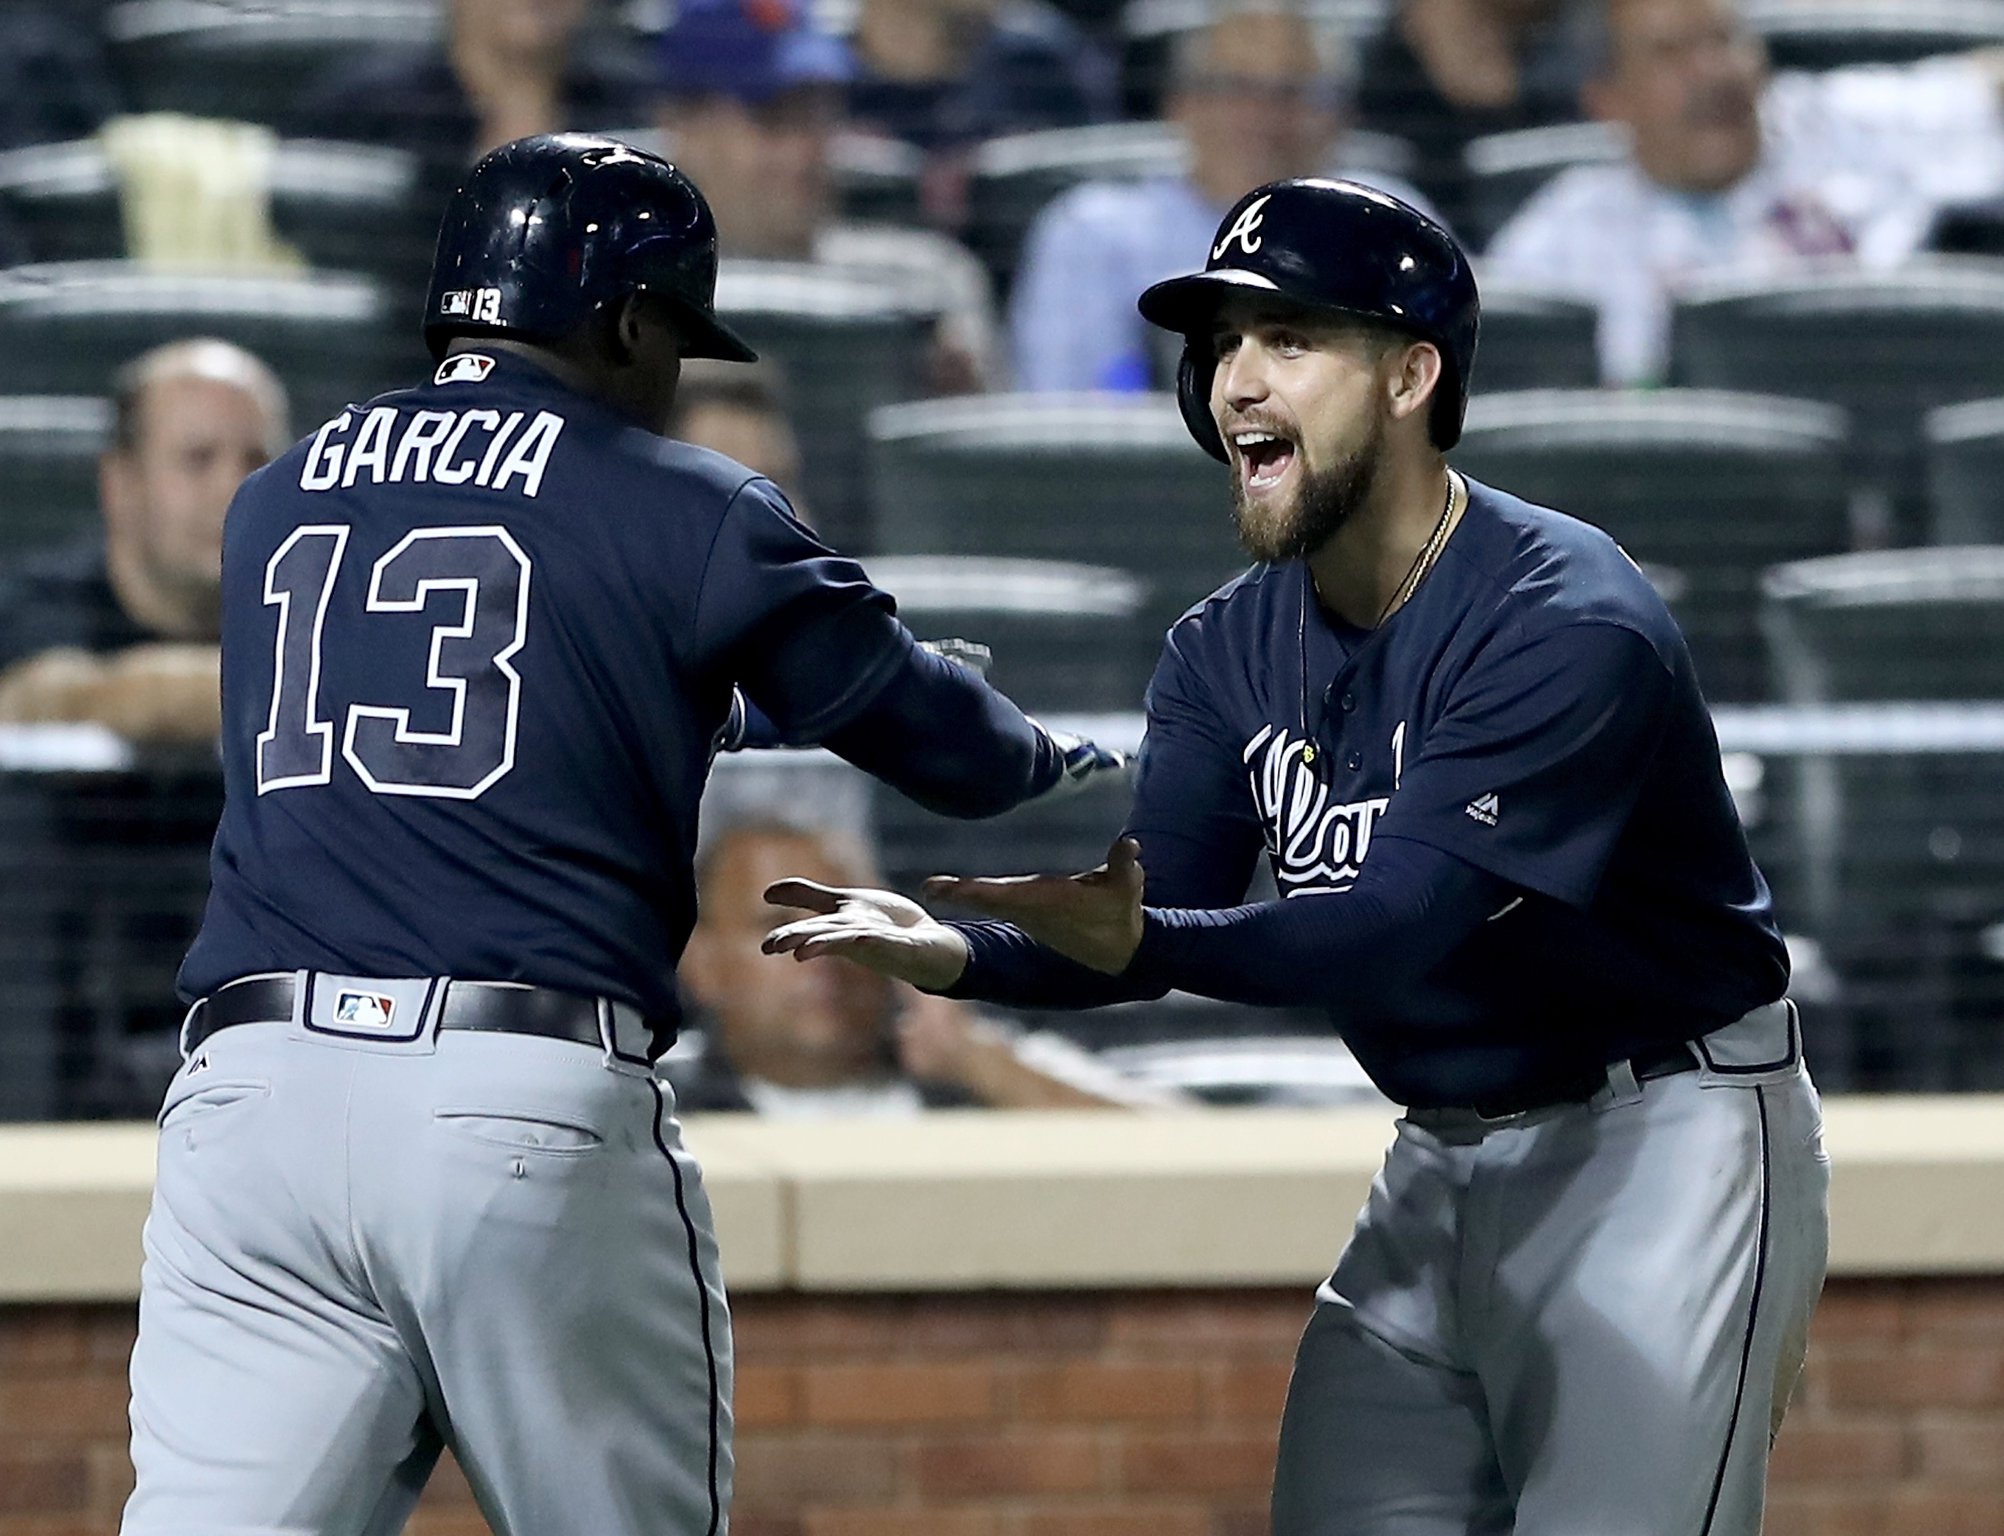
1423 561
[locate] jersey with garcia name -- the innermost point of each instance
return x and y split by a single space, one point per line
478 640
1532 711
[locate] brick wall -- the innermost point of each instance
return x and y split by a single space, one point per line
1095 1415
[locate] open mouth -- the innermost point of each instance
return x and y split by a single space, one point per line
1264 457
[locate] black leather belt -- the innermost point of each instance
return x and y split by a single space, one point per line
468 1005
1647 1064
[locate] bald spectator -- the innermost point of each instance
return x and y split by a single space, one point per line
786 1039
752 98
120 628
505 69
1258 95
1733 171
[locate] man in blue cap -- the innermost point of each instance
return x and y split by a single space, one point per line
753 98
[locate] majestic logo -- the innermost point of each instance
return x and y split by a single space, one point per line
1483 808
464 368
1316 846
1245 229
364 1010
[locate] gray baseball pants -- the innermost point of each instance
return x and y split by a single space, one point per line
360 1251
1584 1321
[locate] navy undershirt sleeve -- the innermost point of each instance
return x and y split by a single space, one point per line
820 657
1354 954
943 737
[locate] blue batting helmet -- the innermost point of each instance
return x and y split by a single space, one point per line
548 231
1334 246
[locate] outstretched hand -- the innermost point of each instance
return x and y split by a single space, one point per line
1093 918
878 929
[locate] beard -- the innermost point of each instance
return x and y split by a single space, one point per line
1328 498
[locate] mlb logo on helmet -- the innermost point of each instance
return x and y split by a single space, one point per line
770 15
364 1010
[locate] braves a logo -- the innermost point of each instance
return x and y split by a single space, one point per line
1315 846
1245 229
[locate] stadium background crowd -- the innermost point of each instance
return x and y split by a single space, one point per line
1743 272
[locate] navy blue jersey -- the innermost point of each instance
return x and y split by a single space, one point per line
1532 712
478 638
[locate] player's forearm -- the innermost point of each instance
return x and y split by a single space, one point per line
1354 952
942 736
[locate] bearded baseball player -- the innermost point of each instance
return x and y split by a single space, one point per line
1465 732
419 1184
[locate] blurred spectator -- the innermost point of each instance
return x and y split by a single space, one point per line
1442 72
751 104
739 410
789 1039
121 629
1733 170
1258 96
943 73
55 81
506 69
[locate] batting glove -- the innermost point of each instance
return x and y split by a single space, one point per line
1081 763
971 654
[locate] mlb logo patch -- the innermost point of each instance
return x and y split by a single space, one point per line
464 368
364 1010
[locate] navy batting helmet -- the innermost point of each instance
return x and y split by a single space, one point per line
1334 246
548 231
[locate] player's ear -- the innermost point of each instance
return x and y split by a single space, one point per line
628 328
1415 374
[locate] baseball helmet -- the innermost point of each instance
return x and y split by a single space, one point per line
548 231
1333 246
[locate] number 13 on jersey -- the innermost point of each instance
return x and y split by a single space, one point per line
469 672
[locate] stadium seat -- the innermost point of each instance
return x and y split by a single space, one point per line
1829 34
1713 485
49 447
1065 638
64 328
1888 346
877 178
1901 845
344 207
1504 169
214 59
847 346
1965 472
1108 480
1016 175
1535 339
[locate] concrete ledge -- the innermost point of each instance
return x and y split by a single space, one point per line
970 1200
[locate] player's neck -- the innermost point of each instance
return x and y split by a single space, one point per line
1371 566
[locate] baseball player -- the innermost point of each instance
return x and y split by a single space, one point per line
1466 734
419 1184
